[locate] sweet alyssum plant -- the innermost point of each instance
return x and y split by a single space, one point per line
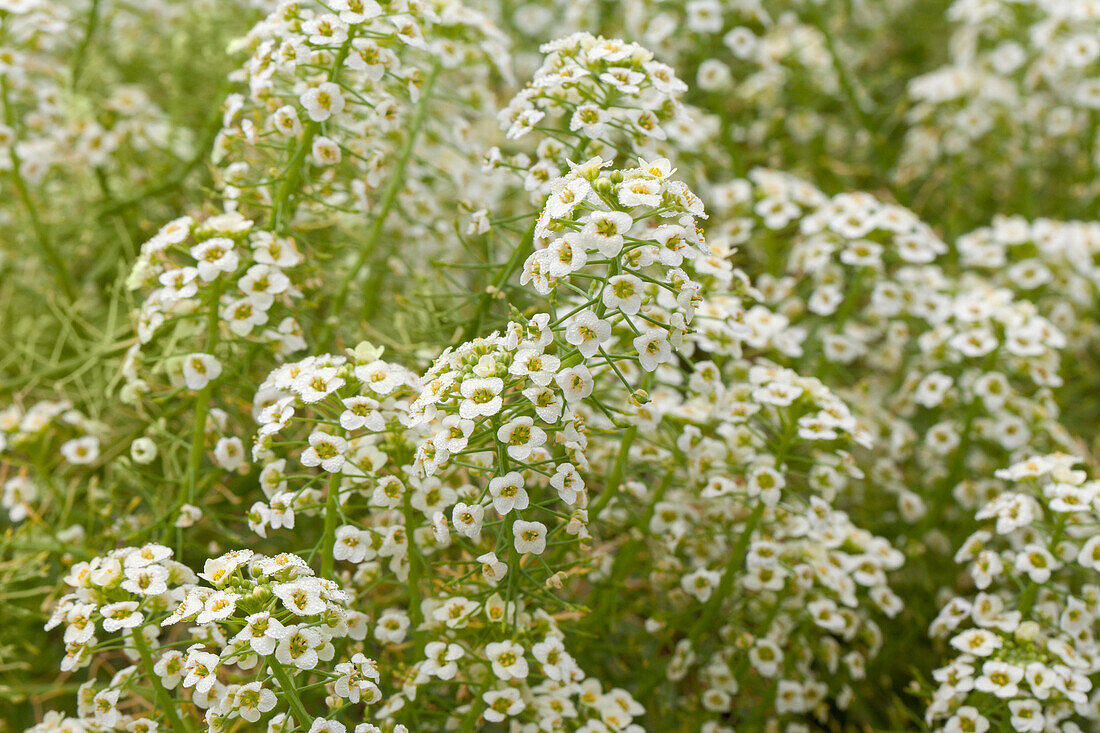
468 367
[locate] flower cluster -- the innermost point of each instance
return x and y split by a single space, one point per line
256 622
329 90
25 435
593 403
1024 649
1020 92
210 276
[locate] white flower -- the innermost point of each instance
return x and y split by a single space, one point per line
1000 679
521 436
765 657
576 382
322 101
492 568
532 363
967 719
604 231
80 451
148 580
200 369
189 514
700 583
1027 716
587 332
481 397
253 700
467 519
121 615
299 647
143 451
500 704
243 315
262 632
640 192
361 412
327 451
324 151
104 705
229 453
1037 562
301 597
357 680
200 670
320 725
262 283
392 626
218 606
1089 556
932 389
623 293
508 492
214 256
169 668
440 659
567 193
529 536
313 385
568 483
285 119
977 642
352 544
974 343
507 660
564 256
653 349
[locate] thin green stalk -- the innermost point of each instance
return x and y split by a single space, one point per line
202 407
287 687
413 582
725 585
53 258
1027 599
389 196
618 468
281 208
164 700
519 256
329 541
515 262
469 723
89 31
615 475
180 173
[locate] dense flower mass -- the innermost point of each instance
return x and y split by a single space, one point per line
403 366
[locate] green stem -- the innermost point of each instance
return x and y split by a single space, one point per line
179 174
81 52
287 686
725 585
53 257
469 723
413 582
389 196
331 510
958 470
281 208
202 407
615 475
519 256
515 262
164 700
1027 599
